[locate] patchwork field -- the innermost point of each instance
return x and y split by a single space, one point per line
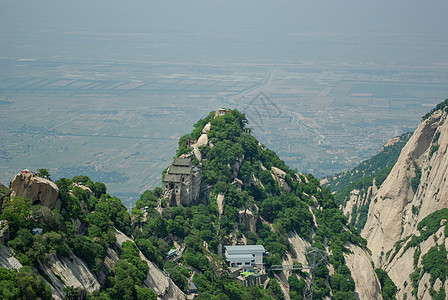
119 122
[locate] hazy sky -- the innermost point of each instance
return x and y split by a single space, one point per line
264 30
402 15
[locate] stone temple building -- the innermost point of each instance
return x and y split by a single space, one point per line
182 182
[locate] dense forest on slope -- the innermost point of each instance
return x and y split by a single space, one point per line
85 226
202 229
280 204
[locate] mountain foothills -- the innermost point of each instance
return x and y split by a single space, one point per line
70 239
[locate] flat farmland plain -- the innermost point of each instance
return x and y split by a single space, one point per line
119 122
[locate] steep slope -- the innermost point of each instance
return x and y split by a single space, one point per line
354 189
405 228
249 196
76 246
415 187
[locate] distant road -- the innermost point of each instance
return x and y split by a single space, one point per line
267 81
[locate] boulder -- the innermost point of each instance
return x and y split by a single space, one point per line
37 189
280 176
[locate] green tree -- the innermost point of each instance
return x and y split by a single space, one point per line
71 293
15 211
31 285
43 173
146 294
99 189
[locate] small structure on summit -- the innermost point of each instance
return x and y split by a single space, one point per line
182 182
222 112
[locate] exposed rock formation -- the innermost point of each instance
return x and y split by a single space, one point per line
280 176
402 262
162 285
391 213
237 165
415 188
39 190
202 141
68 271
367 285
84 188
391 142
72 271
7 260
299 247
358 199
220 200
249 218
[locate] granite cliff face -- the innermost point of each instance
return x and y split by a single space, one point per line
415 187
64 271
405 228
156 280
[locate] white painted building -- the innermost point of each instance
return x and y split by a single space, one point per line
244 255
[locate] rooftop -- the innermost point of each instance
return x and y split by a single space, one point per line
240 257
179 170
182 162
244 249
172 178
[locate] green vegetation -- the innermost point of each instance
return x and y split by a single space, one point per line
428 226
200 228
435 263
433 149
126 277
361 177
388 287
86 224
4 191
415 181
436 137
24 284
296 287
441 105
43 173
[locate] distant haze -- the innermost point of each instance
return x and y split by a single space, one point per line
105 88
347 31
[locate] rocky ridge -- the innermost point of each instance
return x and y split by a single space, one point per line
415 187
61 271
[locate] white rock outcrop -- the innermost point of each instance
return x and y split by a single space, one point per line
367 285
156 280
221 201
280 176
249 217
68 271
416 187
7 260
37 189
397 208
